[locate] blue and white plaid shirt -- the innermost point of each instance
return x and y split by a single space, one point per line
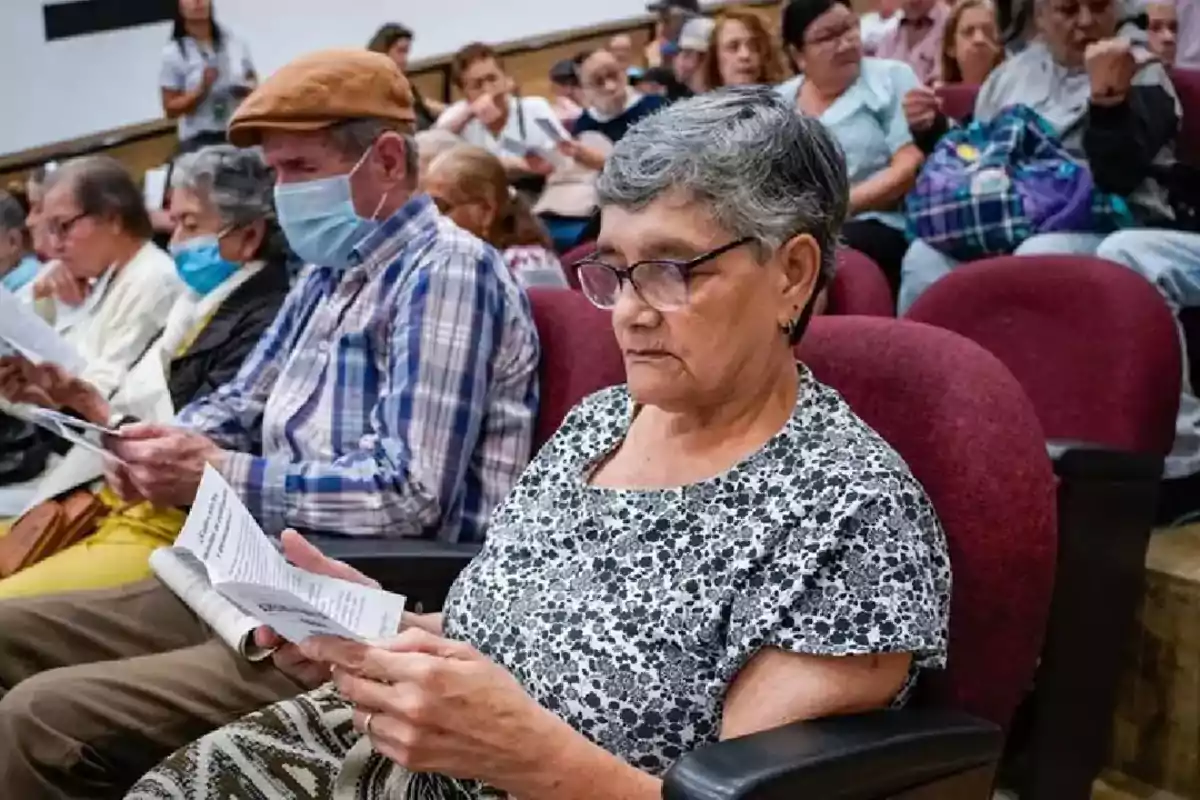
395 398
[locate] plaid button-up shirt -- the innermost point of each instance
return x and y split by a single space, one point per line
395 398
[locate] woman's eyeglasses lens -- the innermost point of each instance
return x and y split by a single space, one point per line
660 284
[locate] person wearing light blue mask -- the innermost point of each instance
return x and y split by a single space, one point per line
394 395
200 263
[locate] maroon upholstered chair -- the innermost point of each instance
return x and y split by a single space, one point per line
579 355
958 100
1187 86
859 288
1095 347
572 257
970 435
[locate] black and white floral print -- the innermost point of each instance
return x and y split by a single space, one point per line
629 613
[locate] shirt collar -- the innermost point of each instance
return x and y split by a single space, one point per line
418 214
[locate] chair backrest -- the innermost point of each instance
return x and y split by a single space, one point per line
1187 86
1093 343
971 437
958 100
573 256
859 287
579 355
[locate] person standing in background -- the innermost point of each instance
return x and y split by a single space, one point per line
917 40
395 41
878 24
206 72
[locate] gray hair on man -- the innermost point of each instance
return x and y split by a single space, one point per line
764 171
237 182
357 136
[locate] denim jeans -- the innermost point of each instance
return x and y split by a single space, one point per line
922 265
1171 261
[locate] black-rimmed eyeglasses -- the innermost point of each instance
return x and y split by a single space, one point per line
661 283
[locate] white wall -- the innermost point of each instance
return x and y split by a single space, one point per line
61 90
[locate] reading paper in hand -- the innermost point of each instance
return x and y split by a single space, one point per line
550 129
31 336
246 568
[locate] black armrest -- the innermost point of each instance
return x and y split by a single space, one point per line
420 569
1107 499
1098 462
863 757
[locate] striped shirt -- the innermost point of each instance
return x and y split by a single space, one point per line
394 398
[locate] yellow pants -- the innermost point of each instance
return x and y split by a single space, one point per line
116 554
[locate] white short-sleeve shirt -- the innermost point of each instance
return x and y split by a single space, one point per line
868 121
522 127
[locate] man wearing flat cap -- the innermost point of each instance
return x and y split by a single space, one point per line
393 396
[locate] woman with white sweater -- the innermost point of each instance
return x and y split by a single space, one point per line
98 229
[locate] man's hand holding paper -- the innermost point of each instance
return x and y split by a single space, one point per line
161 463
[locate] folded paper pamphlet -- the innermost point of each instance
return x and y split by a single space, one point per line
242 580
24 332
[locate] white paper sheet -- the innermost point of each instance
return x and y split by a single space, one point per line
154 187
245 568
76 431
31 336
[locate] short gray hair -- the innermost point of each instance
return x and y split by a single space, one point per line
355 136
764 171
236 182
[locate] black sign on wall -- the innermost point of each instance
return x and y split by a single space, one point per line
82 17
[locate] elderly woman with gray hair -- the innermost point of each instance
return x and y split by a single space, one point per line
718 547
231 255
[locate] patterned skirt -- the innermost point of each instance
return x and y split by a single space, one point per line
305 748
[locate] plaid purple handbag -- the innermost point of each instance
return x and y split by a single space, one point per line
989 186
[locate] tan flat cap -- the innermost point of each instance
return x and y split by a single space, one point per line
321 89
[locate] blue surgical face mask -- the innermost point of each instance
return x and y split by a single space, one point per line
200 265
319 220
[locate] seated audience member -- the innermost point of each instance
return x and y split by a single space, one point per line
672 14
709 474
468 185
338 422
878 24
431 144
205 73
395 41
741 52
1162 29
621 47
656 81
611 105
565 91
1187 14
1171 261
860 101
917 39
122 285
35 194
690 66
493 116
232 258
19 265
971 51
1119 118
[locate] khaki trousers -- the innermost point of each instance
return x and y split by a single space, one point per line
97 687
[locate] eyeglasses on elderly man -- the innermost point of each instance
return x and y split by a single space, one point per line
719 547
